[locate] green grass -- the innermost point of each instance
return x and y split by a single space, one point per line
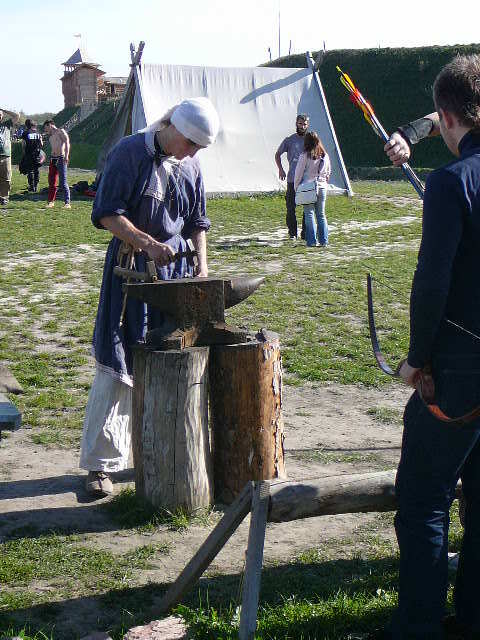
129 511
385 415
51 264
315 300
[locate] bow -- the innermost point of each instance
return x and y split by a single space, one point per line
369 115
424 381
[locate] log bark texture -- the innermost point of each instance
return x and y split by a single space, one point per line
359 492
170 436
246 415
362 492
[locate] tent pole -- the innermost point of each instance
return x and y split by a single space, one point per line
316 78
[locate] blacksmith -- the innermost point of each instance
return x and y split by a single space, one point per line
435 455
151 197
293 147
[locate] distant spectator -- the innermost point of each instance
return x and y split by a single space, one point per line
314 164
33 156
60 145
293 147
6 153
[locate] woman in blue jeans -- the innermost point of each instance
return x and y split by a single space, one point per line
314 164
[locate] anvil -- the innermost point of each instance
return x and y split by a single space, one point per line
197 308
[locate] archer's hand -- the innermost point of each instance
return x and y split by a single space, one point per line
161 253
409 374
397 149
281 174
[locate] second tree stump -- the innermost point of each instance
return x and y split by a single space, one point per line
246 414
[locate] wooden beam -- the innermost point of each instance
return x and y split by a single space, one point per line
362 492
8 382
232 518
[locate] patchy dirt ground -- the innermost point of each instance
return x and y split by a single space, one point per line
330 429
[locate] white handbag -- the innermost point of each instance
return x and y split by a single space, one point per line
306 192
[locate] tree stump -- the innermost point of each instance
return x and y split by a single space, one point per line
170 436
246 414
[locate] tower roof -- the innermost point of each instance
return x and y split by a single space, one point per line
80 57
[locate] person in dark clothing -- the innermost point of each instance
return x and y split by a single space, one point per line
33 157
399 146
444 318
293 147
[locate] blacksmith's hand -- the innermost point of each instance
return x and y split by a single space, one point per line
161 253
397 149
409 374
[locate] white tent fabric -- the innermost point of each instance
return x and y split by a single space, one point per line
257 108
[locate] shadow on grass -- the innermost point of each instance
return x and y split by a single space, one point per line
298 601
42 196
89 515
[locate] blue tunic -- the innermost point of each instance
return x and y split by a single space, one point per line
164 198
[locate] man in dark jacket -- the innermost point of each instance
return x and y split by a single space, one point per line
33 158
445 296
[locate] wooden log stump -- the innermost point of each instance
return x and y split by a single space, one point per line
246 414
170 436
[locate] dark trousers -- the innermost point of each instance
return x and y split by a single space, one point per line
58 169
33 178
434 456
291 215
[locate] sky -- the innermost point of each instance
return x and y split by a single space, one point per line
37 36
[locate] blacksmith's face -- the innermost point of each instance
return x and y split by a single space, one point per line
302 126
181 147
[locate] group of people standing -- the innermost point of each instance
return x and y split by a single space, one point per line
307 161
34 157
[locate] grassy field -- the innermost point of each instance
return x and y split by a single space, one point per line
51 264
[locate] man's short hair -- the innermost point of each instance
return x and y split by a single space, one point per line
304 117
457 89
48 122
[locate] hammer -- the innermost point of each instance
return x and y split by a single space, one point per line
150 275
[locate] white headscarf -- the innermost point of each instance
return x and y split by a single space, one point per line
197 120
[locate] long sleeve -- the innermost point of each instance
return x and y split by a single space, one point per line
300 170
443 222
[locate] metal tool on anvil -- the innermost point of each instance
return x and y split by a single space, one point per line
126 256
150 275
197 308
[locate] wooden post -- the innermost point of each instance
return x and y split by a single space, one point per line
253 568
170 437
246 414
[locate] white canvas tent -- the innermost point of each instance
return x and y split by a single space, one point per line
257 108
